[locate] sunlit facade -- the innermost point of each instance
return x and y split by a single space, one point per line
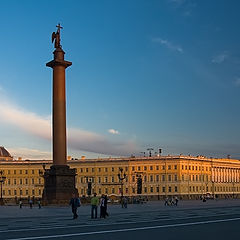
184 176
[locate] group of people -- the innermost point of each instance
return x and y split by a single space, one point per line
95 202
30 204
172 201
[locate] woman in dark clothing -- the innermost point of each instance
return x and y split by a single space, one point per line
106 199
102 207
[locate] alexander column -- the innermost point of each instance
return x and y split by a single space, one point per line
59 180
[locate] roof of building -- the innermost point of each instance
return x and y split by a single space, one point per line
4 152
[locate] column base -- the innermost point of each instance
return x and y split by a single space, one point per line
59 185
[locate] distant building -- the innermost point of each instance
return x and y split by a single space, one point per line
183 176
4 154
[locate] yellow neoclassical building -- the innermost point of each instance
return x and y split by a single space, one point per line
184 176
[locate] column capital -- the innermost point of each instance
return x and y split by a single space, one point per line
57 62
58 59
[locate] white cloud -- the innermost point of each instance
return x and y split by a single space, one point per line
27 153
168 44
220 58
25 120
113 131
78 139
237 82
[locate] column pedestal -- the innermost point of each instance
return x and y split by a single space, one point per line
59 184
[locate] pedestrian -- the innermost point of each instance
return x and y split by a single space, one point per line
75 203
94 205
176 200
39 204
20 204
106 202
102 207
31 203
125 202
166 201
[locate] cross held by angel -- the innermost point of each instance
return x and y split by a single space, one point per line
56 37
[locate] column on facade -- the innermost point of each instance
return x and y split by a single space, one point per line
227 175
237 175
224 174
213 174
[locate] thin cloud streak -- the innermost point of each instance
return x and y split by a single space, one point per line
27 153
27 121
113 131
78 139
237 82
220 58
168 44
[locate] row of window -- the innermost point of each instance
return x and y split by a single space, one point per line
9 172
23 181
216 189
163 178
146 168
195 168
205 177
11 192
202 168
133 168
134 190
196 178
157 189
150 178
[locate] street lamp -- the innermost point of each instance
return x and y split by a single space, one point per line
121 177
150 151
89 181
2 180
143 153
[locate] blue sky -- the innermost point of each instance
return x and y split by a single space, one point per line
145 74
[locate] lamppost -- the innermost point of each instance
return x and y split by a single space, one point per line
150 151
121 177
2 180
143 153
89 181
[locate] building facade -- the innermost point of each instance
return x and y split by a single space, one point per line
182 176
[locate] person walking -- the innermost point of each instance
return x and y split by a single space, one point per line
125 202
102 207
20 204
75 203
39 204
106 201
166 202
31 203
176 200
94 205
